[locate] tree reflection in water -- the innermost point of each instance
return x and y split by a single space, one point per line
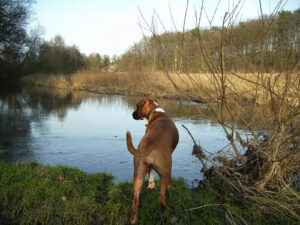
87 131
18 109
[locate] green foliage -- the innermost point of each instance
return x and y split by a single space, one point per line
285 22
106 62
34 194
93 62
195 33
98 62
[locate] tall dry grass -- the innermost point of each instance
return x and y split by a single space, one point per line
200 87
49 80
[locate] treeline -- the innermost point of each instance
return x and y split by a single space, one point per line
56 57
271 42
23 52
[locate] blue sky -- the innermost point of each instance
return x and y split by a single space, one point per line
111 26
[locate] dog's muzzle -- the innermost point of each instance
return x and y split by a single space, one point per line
136 116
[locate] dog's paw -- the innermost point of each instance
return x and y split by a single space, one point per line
171 187
151 186
133 220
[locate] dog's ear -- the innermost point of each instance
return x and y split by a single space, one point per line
143 102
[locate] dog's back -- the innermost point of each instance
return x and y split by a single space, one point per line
161 135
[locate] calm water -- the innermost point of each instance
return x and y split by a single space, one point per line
87 131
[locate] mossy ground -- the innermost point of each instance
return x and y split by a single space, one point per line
31 193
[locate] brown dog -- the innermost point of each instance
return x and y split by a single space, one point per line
154 151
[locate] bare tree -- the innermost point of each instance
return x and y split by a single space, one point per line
14 42
263 162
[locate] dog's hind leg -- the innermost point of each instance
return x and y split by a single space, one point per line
151 183
140 171
164 182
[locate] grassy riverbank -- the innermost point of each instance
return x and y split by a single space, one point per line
34 194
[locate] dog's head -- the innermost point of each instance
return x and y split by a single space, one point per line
142 108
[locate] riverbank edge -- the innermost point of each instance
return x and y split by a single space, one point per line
64 81
31 193
126 92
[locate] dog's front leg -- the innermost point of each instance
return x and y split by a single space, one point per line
151 183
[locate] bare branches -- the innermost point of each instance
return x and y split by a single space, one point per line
157 39
264 158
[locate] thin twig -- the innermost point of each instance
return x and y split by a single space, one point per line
208 205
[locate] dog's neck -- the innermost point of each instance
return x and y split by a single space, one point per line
155 108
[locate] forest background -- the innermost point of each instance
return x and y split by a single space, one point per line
23 53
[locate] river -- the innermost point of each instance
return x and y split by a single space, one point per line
87 131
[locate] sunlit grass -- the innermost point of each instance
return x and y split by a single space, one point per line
34 194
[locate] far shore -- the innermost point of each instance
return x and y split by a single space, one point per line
202 88
110 83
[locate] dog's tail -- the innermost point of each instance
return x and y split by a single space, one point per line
132 149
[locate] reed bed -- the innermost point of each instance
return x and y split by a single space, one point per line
199 87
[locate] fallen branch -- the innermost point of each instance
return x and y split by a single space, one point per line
197 150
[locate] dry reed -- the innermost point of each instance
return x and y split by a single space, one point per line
199 87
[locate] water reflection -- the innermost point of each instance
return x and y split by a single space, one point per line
14 126
87 131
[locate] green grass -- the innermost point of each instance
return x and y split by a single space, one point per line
31 193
